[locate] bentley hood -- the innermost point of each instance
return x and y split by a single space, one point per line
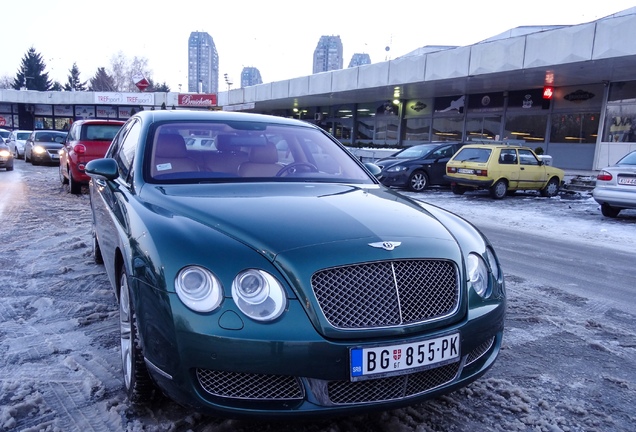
278 218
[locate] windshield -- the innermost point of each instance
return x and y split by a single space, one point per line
4 134
414 152
23 135
220 152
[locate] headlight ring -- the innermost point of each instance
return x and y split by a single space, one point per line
198 289
259 295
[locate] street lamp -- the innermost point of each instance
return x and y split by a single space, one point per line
228 81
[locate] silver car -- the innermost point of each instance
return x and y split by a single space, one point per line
16 141
615 188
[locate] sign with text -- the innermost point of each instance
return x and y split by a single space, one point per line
197 100
125 98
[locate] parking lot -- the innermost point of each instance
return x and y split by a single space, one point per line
568 362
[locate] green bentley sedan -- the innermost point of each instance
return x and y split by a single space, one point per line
270 274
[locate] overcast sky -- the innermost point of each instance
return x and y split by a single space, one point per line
277 37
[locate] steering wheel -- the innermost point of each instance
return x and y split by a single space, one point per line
292 168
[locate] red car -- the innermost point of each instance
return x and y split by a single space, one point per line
86 140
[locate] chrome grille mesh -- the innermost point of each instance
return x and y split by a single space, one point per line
391 388
238 385
387 293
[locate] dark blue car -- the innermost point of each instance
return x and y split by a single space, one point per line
417 167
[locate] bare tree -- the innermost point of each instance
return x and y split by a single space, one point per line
124 70
5 82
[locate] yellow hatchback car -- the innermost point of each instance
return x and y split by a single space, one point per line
502 169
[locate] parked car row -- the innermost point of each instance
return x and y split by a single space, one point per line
500 168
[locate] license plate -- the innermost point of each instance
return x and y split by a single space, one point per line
627 181
375 362
465 171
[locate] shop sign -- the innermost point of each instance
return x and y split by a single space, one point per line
84 112
106 112
579 96
63 110
124 98
43 110
197 99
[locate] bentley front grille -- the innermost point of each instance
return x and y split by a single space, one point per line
387 293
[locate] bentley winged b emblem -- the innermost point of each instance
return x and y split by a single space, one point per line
386 245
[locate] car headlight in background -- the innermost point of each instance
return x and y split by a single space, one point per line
397 168
5 153
477 274
258 295
39 149
198 289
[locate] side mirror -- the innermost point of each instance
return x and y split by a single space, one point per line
105 169
373 168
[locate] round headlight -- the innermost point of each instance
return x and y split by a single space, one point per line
198 289
258 295
477 274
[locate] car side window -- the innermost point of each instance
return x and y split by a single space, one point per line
526 157
508 157
127 146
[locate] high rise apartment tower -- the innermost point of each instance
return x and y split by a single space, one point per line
328 54
203 64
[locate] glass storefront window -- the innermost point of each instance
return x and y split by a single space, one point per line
43 122
521 126
63 123
574 128
620 123
448 128
418 129
386 129
483 128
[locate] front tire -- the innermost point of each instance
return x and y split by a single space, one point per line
499 189
418 181
551 189
139 386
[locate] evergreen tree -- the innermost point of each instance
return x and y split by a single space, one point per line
31 74
74 83
102 82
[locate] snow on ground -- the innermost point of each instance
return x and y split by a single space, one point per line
562 367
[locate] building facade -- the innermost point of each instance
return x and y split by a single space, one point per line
250 76
359 59
203 64
328 54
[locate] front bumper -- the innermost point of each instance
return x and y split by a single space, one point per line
400 179
228 364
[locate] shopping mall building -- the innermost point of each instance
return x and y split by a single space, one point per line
570 90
